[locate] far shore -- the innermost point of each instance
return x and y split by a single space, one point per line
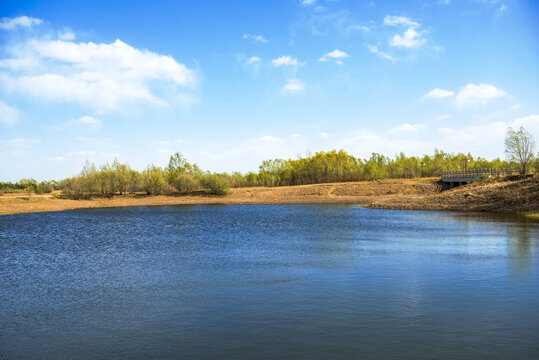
514 195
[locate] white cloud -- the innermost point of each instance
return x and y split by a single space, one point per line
93 154
307 2
294 85
89 121
56 158
362 28
446 131
106 77
23 141
66 34
438 93
269 139
253 59
163 151
410 39
473 94
255 38
285 60
400 21
530 122
85 138
407 128
324 135
443 117
22 21
8 115
374 49
81 153
516 106
335 54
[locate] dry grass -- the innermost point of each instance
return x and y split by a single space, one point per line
519 195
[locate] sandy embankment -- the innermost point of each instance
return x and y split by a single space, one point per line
420 194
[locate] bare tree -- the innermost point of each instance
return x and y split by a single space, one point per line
519 148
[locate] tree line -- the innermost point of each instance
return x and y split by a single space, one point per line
117 178
183 177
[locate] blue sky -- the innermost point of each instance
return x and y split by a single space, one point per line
230 84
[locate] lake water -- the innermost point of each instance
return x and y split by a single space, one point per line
268 282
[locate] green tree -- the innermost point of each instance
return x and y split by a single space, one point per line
182 175
122 176
154 181
215 183
520 148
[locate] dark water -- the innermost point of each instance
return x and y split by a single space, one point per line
268 282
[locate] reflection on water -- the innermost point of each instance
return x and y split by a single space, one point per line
283 281
519 249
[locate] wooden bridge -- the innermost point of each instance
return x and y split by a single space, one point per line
456 178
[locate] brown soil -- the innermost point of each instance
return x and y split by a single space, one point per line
516 194
511 194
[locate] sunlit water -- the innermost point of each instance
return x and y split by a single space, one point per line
259 282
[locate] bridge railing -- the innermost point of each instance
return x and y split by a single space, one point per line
476 173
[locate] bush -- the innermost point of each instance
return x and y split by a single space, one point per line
44 187
184 183
215 184
28 185
78 187
154 181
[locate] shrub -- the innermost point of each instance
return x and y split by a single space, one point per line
154 182
184 183
44 187
215 184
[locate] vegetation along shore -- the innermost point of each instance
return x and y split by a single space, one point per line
325 177
515 194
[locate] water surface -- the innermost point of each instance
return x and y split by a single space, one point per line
279 281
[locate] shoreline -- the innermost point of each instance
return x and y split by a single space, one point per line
502 195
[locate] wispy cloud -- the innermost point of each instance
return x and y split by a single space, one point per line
400 21
336 55
255 38
294 85
473 94
374 49
410 39
253 60
269 139
21 21
23 141
85 121
443 117
285 60
66 34
307 2
407 128
438 93
362 28
8 114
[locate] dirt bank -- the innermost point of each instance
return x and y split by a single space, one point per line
512 195
517 194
